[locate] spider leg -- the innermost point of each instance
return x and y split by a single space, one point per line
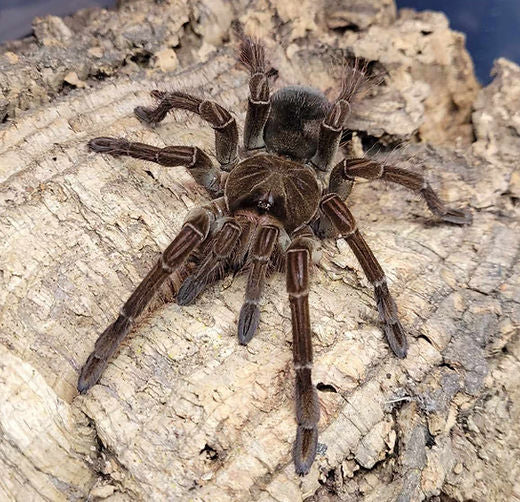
261 251
371 170
307 404
354 84
335 209
223 245
330 135
222 122
194 231
194 159
252 55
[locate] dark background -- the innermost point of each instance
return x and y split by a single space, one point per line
492 27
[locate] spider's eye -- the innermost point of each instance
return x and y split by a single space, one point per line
265 202
264 205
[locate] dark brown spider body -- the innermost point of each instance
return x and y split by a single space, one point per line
293 126
271 184
269 210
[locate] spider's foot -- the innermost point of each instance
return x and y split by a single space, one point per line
304 451
458 216
248 322
90 373
107 145
157 94
396 338
393 329
189 290
105 347
146 115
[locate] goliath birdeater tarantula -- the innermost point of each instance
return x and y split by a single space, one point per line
269 208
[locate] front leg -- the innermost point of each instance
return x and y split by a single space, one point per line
336 210
307 403
192 234
349 169
194 159
261 252
223 245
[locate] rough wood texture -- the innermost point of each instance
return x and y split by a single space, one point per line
183 412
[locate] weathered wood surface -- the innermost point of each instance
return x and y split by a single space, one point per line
183 412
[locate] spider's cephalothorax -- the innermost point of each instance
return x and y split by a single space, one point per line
269 184
268 212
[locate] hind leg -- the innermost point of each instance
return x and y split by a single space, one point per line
252 55
353 85
349 169
194 159
222 122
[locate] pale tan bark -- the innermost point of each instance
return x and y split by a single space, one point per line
185 413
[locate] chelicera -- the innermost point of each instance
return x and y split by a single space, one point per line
270 207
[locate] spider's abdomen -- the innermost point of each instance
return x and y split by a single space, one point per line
294 119
270 184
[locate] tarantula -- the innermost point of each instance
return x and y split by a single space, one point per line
269 208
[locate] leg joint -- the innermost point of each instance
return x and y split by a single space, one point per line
122 313
379 282
167 268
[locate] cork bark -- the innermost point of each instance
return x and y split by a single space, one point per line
183 412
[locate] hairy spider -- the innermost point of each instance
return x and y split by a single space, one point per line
268 210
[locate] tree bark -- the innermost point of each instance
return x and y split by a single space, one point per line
183 412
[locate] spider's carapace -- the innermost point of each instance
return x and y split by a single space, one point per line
270 184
